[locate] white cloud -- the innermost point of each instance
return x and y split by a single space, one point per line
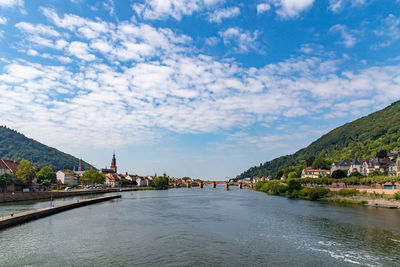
220 14
338 5
263 7
36 29
161 9
212 41
11 3
390 30
244 40
81 51
110 7
3 20
290 8
134 78
348 37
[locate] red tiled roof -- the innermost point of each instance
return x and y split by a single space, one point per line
10 165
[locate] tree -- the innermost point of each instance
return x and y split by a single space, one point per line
382 154
6 179
375 173
46 173
125 182
338 174
161 182
92 177
356 174
320 163
293 184
279 175
26 172
310 161
292 175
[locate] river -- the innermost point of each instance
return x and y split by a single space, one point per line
206 227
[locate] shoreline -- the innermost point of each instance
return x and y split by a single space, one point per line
27 216
43 195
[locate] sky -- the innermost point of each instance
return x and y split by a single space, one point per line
199 88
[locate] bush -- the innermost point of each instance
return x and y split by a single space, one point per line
293 184
338 174
292 175
317 193
258 185
347 192
294 194
277 189
397 196
356 174
304 192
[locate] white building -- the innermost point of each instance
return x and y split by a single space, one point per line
67 178
310 173
141 182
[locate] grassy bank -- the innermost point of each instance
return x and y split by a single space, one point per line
292 188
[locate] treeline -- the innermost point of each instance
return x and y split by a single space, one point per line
362 138
26 174
16 146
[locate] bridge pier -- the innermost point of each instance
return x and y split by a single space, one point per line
213 184
188 185
226 185
201 185
240 185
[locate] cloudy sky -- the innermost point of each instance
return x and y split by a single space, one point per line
204 88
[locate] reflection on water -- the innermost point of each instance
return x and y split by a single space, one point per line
192 227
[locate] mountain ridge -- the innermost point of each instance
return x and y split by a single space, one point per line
361 138
16 146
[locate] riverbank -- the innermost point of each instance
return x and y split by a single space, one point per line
27 196
15 219
293 189
378 202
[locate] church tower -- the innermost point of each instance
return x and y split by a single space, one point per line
80 166
114 164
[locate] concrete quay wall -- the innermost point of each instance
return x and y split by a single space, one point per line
24 196
27 216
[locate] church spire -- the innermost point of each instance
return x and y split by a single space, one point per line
113 163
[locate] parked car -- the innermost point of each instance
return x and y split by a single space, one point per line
68 189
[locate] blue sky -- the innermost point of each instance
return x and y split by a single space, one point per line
200 88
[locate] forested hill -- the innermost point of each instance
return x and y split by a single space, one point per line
16 146
362 138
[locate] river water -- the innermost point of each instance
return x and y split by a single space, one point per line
206 227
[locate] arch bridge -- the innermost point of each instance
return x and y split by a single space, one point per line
201 184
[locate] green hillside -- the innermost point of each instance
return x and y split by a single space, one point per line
16 146
362 138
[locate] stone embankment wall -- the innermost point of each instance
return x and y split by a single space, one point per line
371 190
27 216
23 196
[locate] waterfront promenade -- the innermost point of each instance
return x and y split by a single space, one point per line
15 219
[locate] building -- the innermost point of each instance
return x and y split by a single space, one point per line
113 167
355 166
67 178
375 164
311 173
394 168
112 179
8 166
141 181
394 155
343 165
